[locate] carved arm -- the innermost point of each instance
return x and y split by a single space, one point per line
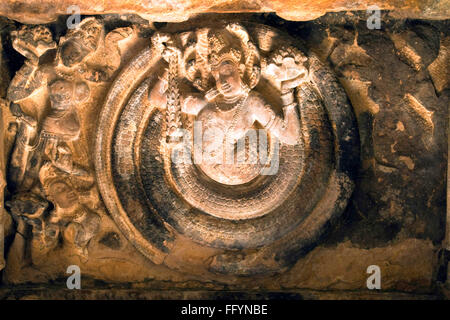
287 130
191 104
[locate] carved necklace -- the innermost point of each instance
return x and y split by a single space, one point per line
237 112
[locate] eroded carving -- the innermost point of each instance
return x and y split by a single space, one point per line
230 137
45 95
79 222
201 220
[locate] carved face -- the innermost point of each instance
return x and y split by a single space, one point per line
228 80
63 195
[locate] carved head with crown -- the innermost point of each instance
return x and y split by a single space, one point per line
233 61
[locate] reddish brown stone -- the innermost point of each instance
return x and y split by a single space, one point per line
43 11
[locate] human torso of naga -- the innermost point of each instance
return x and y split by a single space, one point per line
234 120
228 108
235 114
224 122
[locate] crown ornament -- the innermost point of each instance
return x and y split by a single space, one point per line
230 54
220 50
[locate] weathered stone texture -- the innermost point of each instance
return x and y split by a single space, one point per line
39 11
406 266
4 81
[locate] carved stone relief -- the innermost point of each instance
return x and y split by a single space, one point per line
233 137
220 152
55 197
3 105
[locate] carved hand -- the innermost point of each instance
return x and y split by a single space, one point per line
33 42
288 68
292 83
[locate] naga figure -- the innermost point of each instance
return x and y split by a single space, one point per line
231 107
45 95
218 88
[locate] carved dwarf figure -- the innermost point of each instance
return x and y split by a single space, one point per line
70 217
79 222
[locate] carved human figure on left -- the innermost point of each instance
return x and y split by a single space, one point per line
64 82
60 124
44 96
70 219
